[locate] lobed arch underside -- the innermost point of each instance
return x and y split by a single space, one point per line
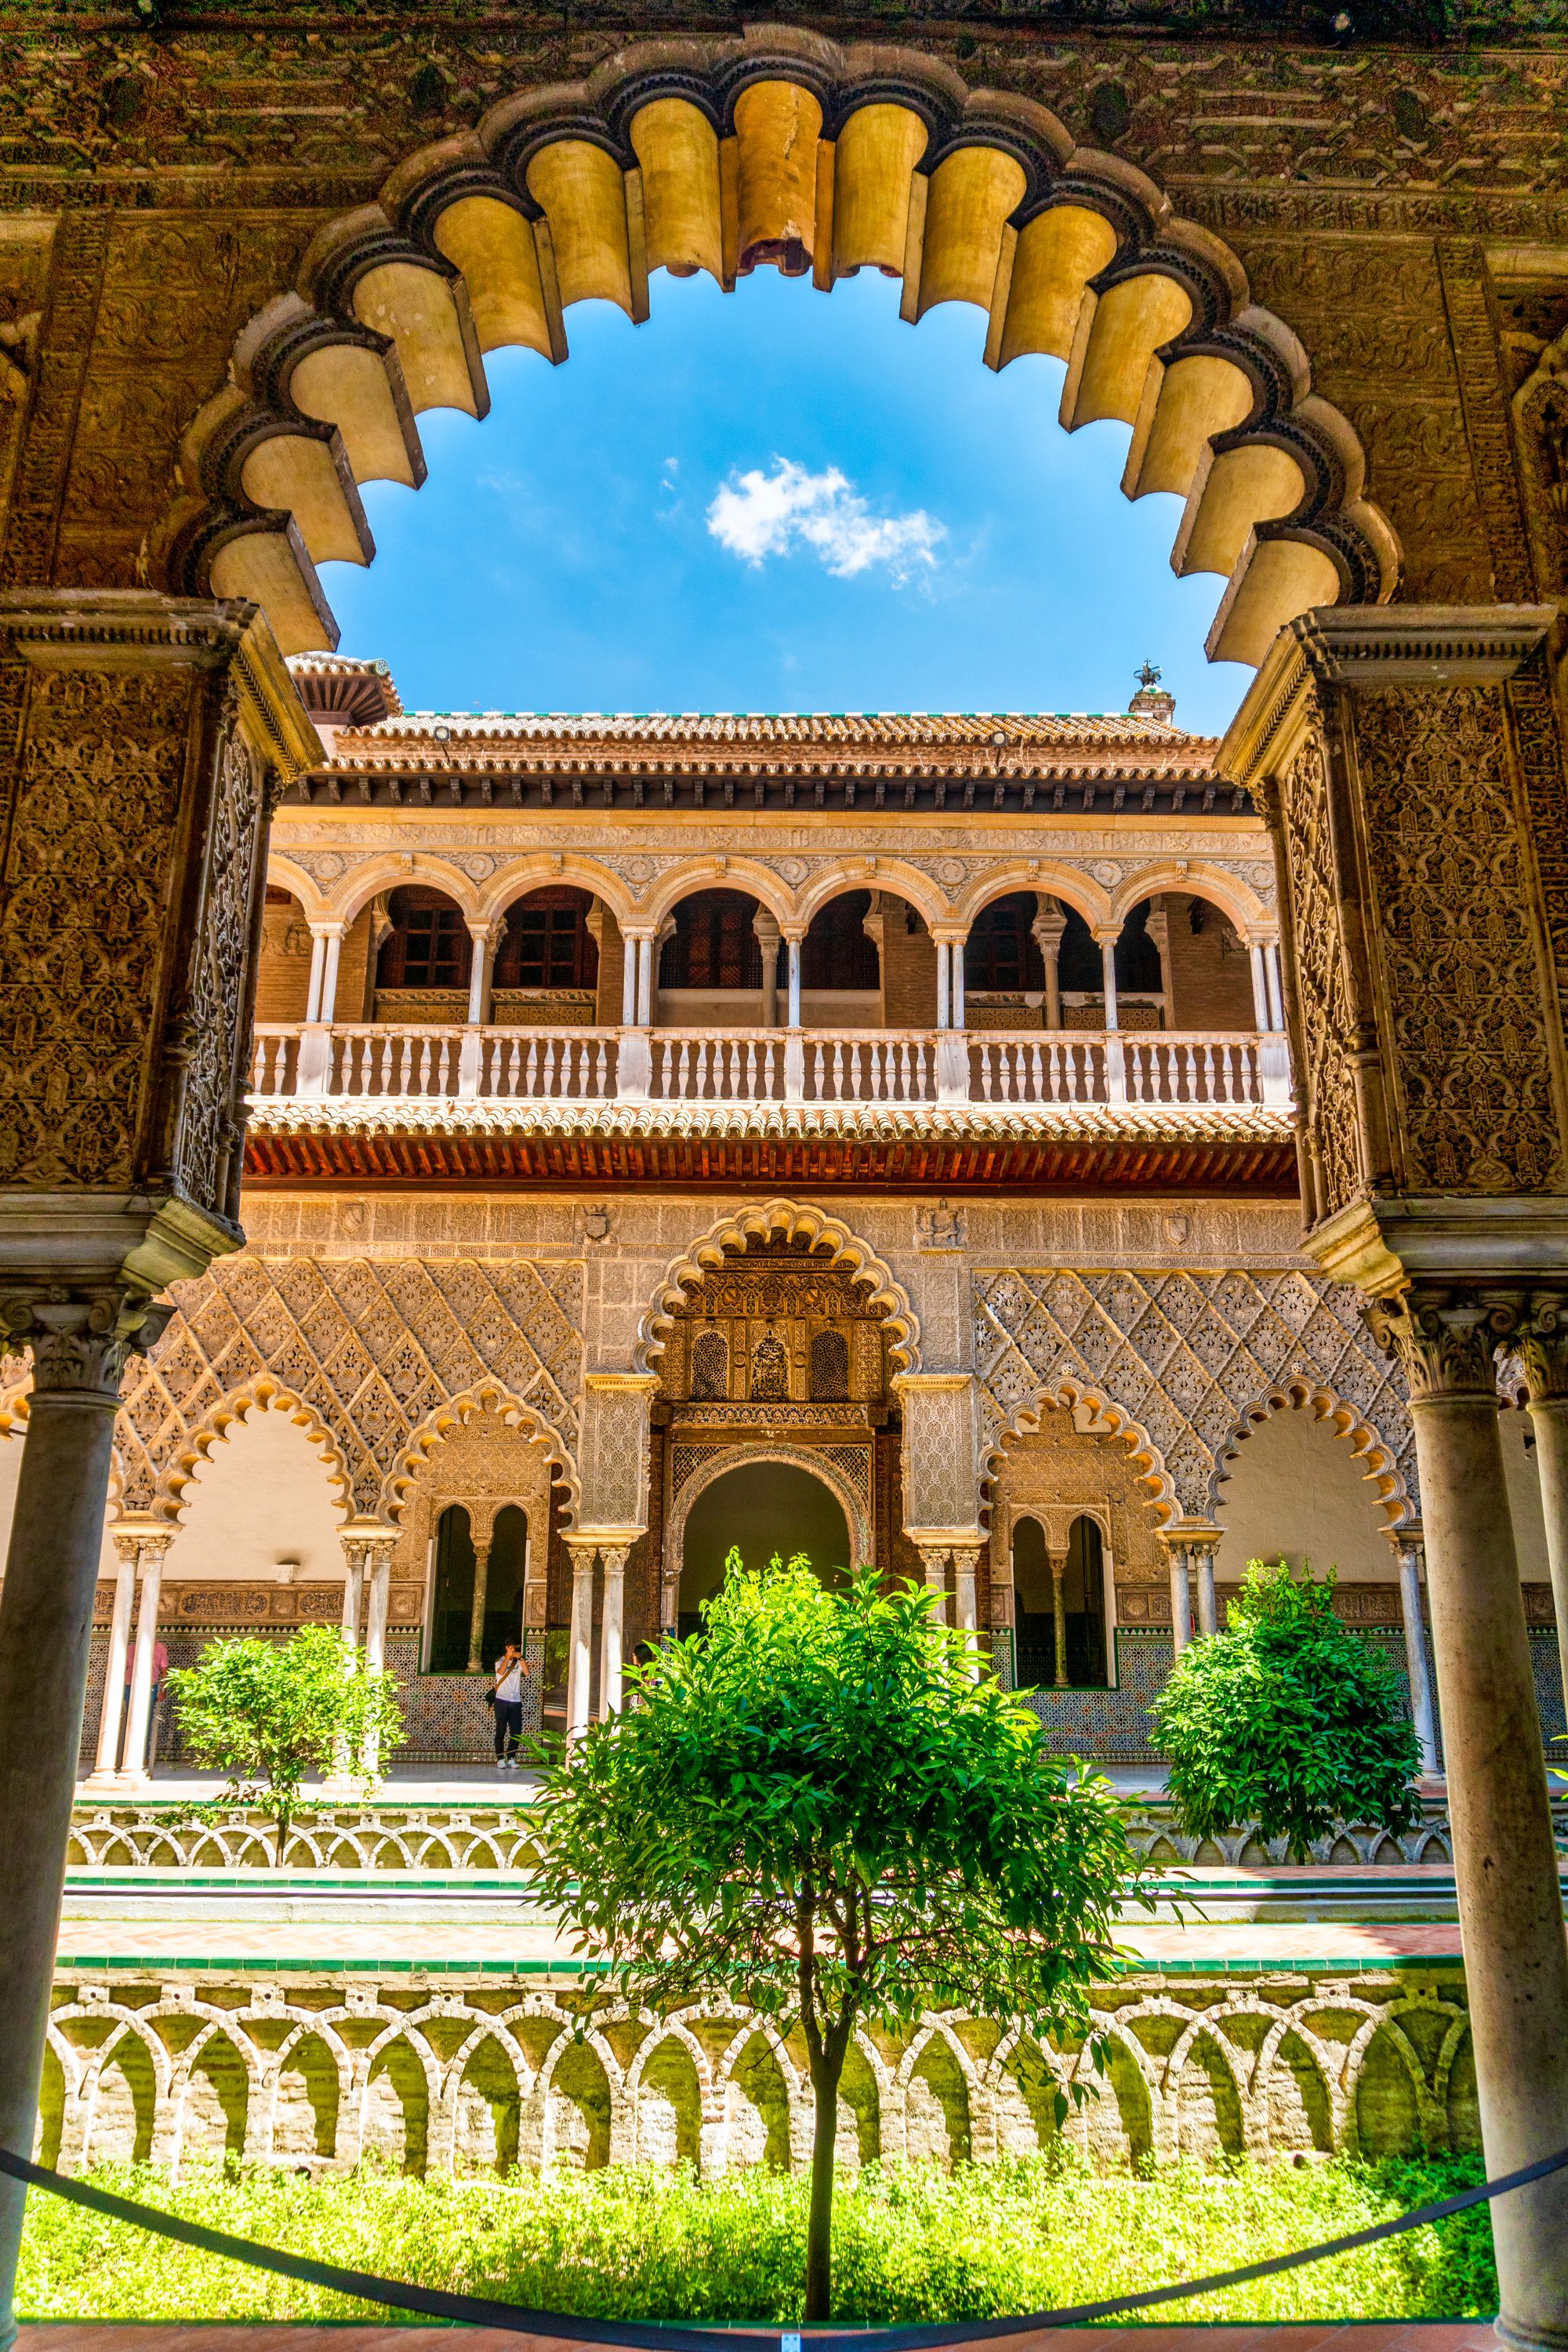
793 906
776 146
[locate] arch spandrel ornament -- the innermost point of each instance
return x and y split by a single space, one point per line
373 1355
485 241
1176 1362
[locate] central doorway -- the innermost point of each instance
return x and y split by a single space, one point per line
762 1507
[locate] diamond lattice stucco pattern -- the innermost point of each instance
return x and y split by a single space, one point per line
371 1353
1187 1359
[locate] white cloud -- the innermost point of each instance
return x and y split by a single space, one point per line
756 515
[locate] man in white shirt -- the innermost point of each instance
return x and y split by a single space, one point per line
510 1669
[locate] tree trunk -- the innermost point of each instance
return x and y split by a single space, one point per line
825 2077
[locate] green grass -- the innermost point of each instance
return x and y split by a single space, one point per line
912 2243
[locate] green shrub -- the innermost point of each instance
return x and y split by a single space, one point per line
1286 1719
912 2242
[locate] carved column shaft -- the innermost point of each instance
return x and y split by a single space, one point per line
46 1630
1505 1861
481 1545
1201 1556
1058 1560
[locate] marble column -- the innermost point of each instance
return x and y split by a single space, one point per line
1262 1012
1058 1562
481 1593
612 1627
1201 1556
105 1774
47 1602
1505 1861
1115 1057
765 928
1407 1542
378 1573
340 1781
1542 1344
792 952
1181 1599
582 1553
966 1610
1050 927
136 1772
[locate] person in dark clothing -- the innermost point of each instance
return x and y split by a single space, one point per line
511 1669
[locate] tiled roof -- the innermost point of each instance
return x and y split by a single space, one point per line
998 730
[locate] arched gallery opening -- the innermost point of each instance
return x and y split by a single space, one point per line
452 1605
761 1508
1075 1583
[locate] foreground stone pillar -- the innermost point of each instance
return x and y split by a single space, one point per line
79 1353
1505 1861
142 739
1410 763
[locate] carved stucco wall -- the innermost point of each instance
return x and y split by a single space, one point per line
379 1355
1186 1358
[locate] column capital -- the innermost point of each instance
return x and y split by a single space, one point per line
1443 1340
485 930
1542 1340
80 1347
327 927
582 1551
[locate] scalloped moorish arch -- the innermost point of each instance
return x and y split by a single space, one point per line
721 153
787 1219
1106 1420
1391 1471
453 1414
167 1500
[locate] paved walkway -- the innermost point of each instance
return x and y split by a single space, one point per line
457 1947
1359 2335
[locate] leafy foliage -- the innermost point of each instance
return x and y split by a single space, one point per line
266 1713
913 2243
1286 1719
823 1806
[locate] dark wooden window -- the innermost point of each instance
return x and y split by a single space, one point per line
709 1367
713 944
428 945
1002 950
547 943
836 952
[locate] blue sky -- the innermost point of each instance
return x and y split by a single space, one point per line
777 500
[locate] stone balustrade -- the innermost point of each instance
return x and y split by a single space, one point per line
1218 1069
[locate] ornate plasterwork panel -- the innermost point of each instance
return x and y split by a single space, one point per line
1461 972
376 1356
1328 1091
90 816
221 976
1182 1361
614 1451
940 1488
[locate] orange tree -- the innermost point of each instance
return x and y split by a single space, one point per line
823 1806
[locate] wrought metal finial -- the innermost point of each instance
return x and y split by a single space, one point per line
1148 675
